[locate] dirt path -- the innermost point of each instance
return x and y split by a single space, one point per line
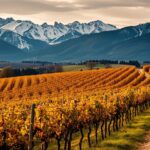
146 144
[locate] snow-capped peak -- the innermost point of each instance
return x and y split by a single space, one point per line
56 32
5 21
45 25
11 26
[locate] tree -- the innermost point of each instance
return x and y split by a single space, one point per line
58 68
108 66
7 72
90 64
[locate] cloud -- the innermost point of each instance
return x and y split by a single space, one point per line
117 12
91 4
34 6
38 6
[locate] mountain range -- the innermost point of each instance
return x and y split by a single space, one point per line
23 33
73 42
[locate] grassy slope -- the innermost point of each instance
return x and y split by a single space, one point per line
128 138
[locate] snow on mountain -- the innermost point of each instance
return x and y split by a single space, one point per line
5 21
24 33
54 32
136 31
14 39
23 27
26 29
91 27
77 29
38 40
70 35
143 29
35 32
11 26
51 33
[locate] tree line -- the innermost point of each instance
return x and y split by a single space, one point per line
10 72
107 62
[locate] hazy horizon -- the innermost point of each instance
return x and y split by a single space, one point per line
52 23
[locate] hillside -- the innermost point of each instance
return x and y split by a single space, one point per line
107 45
93 103
51 84
10 52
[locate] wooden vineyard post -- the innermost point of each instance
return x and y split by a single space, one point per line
30 147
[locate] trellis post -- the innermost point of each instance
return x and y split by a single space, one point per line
30 146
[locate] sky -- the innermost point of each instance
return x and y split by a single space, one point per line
117 12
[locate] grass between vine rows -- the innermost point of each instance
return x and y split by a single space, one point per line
127 138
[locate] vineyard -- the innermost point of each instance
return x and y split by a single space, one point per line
147 68
69 103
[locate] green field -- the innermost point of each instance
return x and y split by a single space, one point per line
68 68
74 68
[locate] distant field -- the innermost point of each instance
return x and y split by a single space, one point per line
118 65
68 68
